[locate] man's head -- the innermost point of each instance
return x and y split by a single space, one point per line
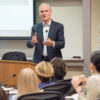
95 62
45 12
59 66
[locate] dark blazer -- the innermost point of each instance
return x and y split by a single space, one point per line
56 33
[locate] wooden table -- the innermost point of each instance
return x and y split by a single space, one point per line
8 68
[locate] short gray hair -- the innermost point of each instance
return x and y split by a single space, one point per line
43 5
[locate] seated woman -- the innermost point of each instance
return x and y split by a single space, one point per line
44 71
3 95
59 66
26 83
89 88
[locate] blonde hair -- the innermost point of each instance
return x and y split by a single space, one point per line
27 82
44 69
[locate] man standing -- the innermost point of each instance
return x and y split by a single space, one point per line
47 37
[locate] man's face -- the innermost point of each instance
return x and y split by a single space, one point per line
45 13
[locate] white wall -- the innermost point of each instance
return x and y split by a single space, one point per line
71 17
95 25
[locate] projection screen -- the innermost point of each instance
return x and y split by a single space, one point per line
16 18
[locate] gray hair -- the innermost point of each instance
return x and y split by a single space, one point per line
43 5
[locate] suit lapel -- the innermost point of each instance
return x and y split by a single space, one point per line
41 32
51 30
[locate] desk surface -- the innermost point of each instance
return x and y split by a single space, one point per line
74 62
70 61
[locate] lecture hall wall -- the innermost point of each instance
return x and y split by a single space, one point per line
20 45
95 25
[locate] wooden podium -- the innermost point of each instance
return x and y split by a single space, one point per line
8 68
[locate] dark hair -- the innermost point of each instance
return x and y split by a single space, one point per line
3 95
95 59
59 66
44 79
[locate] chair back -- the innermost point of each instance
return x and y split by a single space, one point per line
18 56
66 80
61 87
45 95
70 89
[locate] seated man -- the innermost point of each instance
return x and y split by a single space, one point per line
59 66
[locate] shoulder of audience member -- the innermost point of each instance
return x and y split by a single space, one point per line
94 77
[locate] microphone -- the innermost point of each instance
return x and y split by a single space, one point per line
2 82
46 31
81 83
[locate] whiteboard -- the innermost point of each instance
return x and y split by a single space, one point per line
16 18
71 18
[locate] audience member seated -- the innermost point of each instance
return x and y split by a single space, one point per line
27 83
3 95
89 88
44 71
59 66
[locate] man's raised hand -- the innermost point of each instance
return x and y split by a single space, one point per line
34 39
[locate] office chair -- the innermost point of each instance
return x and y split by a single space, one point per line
18 56
61 87
66 80
45 95
70 89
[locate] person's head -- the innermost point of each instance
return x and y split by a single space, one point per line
95 62
27 82
3 95
59 66
45 12
44 71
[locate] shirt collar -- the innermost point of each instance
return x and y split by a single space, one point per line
47 24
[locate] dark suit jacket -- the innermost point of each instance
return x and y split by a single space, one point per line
56 33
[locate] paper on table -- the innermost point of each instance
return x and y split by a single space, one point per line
7 89
13 91
73 97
